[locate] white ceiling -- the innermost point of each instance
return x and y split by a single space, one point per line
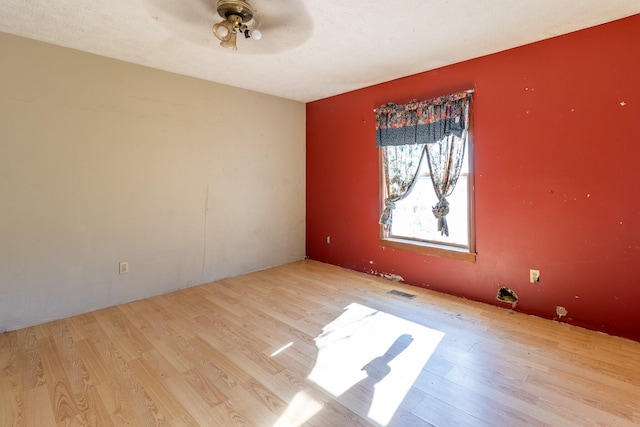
311 49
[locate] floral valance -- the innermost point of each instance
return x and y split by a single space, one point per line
423 122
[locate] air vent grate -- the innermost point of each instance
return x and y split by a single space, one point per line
401 294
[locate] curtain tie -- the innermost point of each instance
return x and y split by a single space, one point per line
440 211
389 206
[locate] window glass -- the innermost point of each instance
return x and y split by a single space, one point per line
413 218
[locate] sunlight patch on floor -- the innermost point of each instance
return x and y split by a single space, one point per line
281 349
301 409
369 359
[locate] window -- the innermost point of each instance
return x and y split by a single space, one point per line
413 218
426 175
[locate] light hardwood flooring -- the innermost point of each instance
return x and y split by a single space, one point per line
313 344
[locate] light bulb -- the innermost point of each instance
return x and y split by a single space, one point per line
220 31
256 34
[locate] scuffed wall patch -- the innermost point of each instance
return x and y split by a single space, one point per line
560 312
392 277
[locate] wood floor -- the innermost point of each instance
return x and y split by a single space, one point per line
313 344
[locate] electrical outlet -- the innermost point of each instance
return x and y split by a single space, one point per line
123 267
534 276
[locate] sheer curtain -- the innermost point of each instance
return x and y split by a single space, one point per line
435 129
401 164
445 163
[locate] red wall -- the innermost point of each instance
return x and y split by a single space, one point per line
557 168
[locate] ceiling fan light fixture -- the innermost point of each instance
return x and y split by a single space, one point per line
230 43
223 30
236 14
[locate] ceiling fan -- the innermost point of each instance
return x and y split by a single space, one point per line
283 24
238 18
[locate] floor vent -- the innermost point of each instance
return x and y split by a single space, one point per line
401 294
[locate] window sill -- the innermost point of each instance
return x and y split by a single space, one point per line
430 249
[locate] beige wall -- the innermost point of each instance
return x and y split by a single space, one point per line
103 161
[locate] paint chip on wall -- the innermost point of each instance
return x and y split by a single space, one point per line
392 277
